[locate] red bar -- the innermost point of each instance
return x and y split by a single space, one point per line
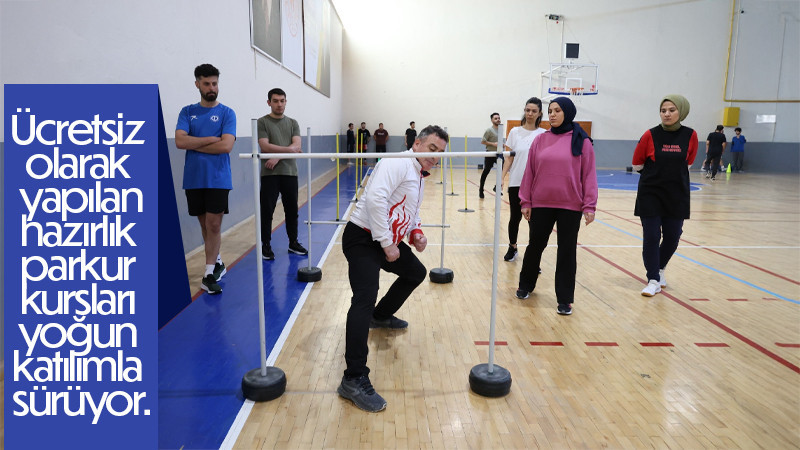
487 343
781 344
770 299
602 344
548 344
711 344
698 299
656 344
737 299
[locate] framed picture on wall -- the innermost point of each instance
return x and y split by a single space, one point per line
265 27
317 38
292 35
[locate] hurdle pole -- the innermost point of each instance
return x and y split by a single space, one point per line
466 208
337 178
308 193
259 270
496 260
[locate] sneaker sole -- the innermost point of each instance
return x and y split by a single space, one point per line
511 260
647 294
298 253
344 396
268 258
565 313
207 289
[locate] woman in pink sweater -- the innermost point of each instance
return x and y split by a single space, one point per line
558 187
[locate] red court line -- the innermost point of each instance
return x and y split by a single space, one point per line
602 344
691 308
770 299
547 344
716 252
487 343
656 344
697 299
780 344
711 344
737 299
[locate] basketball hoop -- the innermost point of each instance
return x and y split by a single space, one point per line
577 92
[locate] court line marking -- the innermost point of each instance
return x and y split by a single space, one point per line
717 270
711 250
712 320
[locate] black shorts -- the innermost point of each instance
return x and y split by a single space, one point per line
201 201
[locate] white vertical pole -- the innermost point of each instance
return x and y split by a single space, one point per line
308 191
259 270
444 204
496 260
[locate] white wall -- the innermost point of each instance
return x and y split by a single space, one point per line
453 62
159 41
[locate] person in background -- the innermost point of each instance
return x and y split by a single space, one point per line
737 150
715 146
279 133
207 131
519 140
558 187
381 137
663 157
411 135
490 141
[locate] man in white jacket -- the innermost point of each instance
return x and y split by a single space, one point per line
373 240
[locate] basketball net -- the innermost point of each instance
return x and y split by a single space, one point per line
577 92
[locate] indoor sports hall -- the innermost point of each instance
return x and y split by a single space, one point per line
710 361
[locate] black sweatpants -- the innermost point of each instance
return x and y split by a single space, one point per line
568 224
271 186
365 259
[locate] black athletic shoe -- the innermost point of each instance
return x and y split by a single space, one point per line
480 194
511 254
522 294
297 249
219 270
392 323
266 252
362 394
209 284
565 309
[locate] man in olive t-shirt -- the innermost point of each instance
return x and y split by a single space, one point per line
278 133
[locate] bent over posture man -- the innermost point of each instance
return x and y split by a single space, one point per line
373 240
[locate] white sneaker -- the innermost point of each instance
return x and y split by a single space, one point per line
651 289
661 280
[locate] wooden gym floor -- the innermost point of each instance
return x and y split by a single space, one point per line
712 361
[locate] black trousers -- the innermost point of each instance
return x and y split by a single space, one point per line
488 163
271 186
656 252
380 148
738 160
541 224
712 162
365 259
516 214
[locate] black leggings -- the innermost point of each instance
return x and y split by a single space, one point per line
516 214
488 163
656 252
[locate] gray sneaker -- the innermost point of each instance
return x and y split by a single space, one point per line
392 323
362 394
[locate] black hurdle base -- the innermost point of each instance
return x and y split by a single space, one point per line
266 388
309 274
441 275
495 384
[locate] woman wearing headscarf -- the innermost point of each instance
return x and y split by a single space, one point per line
662 157
558 187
